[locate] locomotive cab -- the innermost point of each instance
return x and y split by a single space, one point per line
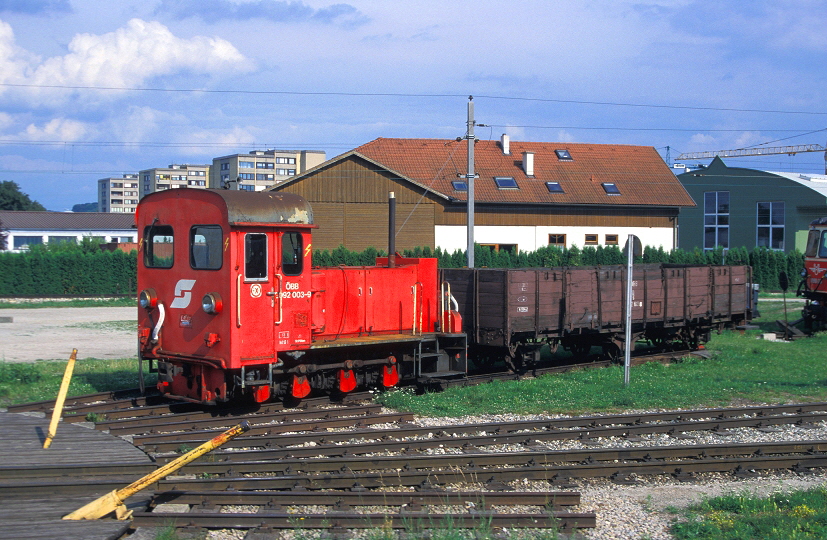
225 284
813 285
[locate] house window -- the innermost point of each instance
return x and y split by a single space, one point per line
264 165
563 155
554 187
246 165
716 219
225 166
505 182
246 176
611 239
558 240
23 242
770 231
460 185
265 177
511 248
591 240
610 188
247 188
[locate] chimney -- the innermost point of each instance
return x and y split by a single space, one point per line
505 142
528 163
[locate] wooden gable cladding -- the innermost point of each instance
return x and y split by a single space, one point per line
356 180
359 226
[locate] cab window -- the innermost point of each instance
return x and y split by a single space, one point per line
255 257
206 247
291 254
158 246
822 248
812 243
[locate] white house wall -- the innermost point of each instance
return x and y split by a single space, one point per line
112 235
529 238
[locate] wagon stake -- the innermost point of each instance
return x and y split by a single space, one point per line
113 501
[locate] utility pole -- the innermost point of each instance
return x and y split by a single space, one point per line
469 178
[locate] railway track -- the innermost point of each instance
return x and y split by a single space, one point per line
353 466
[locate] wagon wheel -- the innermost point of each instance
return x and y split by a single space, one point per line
580 350
613 352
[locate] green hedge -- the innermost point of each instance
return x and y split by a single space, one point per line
86 270
78 270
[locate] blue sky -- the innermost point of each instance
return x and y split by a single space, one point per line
90 89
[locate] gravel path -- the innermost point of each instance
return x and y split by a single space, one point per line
52 333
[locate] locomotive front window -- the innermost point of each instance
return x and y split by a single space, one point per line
255 257
812 243
206 247
822 248
158 250
291 254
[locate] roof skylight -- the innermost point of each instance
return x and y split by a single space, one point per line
506 182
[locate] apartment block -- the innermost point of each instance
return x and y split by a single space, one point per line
174 176
118 194
261 169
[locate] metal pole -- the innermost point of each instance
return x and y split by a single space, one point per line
469 135
61 399
391 229
627 357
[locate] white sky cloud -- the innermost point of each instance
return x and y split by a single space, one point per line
128 57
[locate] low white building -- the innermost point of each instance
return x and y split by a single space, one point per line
25 229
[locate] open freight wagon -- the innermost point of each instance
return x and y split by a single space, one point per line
509 314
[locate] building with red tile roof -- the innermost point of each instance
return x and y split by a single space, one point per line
526 194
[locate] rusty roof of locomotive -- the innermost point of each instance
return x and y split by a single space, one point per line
260 207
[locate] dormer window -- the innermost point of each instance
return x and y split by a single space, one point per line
460 185
610 188
506 182
554 187
563 155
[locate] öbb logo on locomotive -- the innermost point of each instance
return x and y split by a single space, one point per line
273 326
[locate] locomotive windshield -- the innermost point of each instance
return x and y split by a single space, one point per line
812 243
158 252
205 247
291 254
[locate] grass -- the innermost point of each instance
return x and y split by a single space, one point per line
795 515
743 368
34 303
38 381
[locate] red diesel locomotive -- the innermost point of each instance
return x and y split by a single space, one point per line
230 305
813 285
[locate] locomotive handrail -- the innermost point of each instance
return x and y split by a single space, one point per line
279 277
238 301
161 317
413 327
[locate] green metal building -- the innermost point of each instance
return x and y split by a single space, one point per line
746 207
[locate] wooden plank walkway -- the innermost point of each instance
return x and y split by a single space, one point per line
39 517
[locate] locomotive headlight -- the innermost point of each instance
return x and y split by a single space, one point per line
148 299
212 303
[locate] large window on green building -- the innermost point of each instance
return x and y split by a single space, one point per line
716 219
770 228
